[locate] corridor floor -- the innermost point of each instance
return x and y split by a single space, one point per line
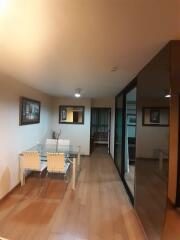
99 209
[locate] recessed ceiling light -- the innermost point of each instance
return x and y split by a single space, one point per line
3 4
77 93
114 68
168 95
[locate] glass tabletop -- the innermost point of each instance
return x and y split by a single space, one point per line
66 149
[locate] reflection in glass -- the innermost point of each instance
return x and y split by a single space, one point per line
118 133
152 141
130 139
71 114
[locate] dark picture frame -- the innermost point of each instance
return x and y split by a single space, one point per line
29 112
155 116
63 114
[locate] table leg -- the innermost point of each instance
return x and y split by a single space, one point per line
79 159
74 174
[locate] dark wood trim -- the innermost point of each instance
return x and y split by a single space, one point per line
90 146
64 106
21 123
178 167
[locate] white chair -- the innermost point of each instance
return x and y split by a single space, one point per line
51 142
63 142
56 163
63 146
31 161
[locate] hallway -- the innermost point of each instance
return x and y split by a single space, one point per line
99 209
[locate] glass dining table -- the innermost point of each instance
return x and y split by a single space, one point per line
72 153
69 150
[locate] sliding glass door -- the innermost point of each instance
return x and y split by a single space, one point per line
125 137
118 133
130 139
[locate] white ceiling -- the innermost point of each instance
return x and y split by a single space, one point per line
59 45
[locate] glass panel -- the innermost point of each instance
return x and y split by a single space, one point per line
152 140
118 133
130 139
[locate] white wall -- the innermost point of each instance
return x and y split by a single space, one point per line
109 103
79 134
15 138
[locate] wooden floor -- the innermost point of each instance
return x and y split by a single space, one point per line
99 209
130 178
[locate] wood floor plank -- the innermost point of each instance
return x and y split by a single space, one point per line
99 209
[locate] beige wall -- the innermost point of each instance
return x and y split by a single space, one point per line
110 103
79 134
15 138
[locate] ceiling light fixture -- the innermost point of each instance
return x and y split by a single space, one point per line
3 4
167 94
114 68
77 93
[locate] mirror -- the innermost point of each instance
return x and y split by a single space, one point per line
71 114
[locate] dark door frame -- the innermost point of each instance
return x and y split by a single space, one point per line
123 93
109 130
178 168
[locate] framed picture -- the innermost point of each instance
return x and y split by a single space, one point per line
155 116
71 114
131 119
29 111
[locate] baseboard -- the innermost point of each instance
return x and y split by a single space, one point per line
111 157
10 192
14 188
85 155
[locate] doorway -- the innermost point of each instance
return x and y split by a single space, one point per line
100 128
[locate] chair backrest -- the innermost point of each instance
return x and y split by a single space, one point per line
55 162
63 145
51 142
63 142
31 160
